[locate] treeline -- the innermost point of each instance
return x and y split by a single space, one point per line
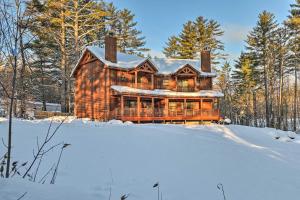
261 89
41 41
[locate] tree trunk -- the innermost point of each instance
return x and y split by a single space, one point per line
44 106
254 109
280 106
267 117
295 101
22 96
64 86
10 116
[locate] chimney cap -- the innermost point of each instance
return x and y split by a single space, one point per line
111 33
207 48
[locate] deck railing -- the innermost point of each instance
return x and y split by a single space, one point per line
160 112
185 89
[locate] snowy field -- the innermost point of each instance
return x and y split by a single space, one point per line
188 162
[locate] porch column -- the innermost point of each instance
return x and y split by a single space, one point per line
152 81
201 106
138 106
135 79
184 106
122 106
195 83
176 83
166 107
152 102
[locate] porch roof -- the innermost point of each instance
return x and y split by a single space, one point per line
160 92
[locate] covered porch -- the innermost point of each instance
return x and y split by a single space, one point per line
140 108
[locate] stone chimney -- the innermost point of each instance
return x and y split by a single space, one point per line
111 48
205 61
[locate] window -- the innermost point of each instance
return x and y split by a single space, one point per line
189 105
113 76
165 83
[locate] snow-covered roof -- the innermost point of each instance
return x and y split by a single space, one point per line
159 92
163 65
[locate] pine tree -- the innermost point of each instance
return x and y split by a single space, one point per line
195 37
293 23
224 83
85 19
129 38
259 43
187 40
245 83
172 47
281 68
208 36
71 25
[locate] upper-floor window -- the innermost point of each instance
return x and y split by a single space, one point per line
165 83
185 85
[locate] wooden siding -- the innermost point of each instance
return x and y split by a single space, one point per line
95 99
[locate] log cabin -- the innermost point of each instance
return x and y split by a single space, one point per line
113 85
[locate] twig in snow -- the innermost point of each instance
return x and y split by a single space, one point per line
221 188
45 142
125 196
23 195
56 168
43 179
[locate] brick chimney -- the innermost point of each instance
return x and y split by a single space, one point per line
111 48
205 61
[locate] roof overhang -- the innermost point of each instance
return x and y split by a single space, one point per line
166 93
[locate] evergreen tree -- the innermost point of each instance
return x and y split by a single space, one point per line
245 83
259 43
293 23
194 38
172 47
224 83
208 36
129 38
187 40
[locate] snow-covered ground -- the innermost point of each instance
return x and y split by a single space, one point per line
188 162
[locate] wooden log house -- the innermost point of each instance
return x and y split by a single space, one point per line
113 85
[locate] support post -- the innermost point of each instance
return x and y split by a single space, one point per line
166 107
153 110
201 106
152 81
176 83
195 83
135 79
122 106
138 108
108 93
184 107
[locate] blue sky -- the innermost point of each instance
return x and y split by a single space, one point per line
159 19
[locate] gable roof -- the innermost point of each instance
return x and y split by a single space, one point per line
163 65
